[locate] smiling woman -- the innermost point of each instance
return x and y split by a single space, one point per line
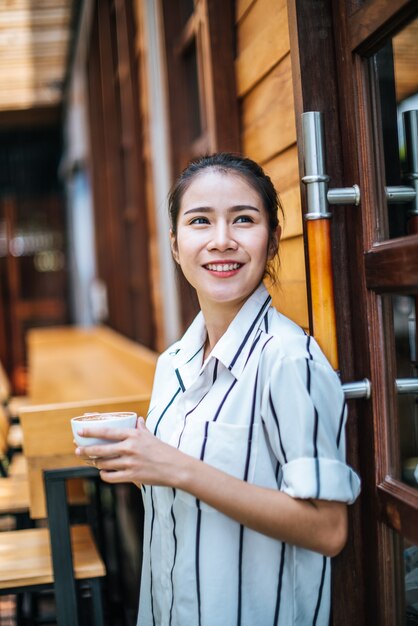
242 459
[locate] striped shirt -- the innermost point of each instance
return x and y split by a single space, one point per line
265 407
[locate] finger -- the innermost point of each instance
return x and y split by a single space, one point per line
118 476
141 424
113 464
94 452
83 454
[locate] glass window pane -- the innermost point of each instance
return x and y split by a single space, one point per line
404 316
411 583
396 69
192 82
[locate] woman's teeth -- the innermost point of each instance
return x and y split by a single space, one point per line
223 267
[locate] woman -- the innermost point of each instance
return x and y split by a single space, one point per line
242 459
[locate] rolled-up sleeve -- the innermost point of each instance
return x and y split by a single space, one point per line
304 414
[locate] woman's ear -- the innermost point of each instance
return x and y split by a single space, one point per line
174 247
274 242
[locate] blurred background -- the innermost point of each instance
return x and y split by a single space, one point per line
101 105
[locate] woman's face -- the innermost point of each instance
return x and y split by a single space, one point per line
222 242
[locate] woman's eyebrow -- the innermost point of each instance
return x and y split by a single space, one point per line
199 209
244 207
233 209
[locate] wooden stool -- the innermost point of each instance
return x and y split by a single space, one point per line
14 496
55 557
25 558
26 564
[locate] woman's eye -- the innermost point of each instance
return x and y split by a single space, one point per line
242 219
199 220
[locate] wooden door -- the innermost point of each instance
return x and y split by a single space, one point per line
118 171
356 62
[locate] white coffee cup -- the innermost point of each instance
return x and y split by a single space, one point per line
93 421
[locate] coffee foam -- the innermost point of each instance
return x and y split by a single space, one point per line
87 417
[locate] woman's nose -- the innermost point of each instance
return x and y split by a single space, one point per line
222 238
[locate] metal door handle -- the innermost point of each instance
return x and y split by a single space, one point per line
400 194
358 389
407 385
397 195
363 388
410 122
319 197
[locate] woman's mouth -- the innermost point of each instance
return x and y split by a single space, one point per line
223 267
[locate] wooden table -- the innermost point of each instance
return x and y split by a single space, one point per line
69 364
74 371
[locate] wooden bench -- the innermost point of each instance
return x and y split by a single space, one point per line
25 557
14 485
14 495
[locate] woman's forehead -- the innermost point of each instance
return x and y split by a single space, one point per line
214 183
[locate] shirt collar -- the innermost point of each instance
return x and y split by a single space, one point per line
234 346
232 349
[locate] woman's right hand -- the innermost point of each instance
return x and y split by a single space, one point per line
137 456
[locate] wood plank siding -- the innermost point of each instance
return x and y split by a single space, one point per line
268 133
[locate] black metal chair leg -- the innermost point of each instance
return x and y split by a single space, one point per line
59 525
96 598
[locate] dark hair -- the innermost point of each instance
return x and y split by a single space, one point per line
228 163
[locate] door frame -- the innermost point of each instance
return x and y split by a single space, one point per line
329 79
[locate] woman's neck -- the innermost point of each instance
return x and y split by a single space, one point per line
217 321
213 336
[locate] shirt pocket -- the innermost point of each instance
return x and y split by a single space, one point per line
228 447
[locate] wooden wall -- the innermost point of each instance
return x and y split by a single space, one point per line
268 133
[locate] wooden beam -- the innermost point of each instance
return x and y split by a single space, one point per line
391 266
373 21
40 116
397 503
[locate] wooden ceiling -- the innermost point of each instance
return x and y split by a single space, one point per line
35 38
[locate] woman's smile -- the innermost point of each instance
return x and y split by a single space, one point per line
223 269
